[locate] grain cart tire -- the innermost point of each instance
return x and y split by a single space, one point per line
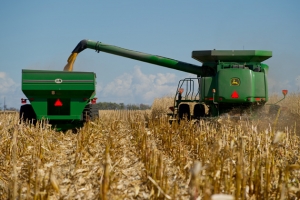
199 111
27 114
94 111
86 114
184 111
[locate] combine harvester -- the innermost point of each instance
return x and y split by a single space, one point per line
229 81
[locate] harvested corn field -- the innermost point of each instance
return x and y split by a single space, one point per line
132 155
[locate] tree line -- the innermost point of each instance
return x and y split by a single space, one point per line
2 108
121 106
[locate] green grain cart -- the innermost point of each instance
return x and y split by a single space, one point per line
228 80
63 99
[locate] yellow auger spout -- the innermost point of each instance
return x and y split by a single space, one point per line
71 60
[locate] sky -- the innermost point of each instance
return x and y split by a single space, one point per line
41 35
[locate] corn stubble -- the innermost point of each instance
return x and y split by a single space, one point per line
137 155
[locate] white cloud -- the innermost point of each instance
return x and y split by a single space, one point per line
138 87
7 85
120 86
165 78
10 91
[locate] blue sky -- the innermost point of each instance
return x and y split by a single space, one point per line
41 35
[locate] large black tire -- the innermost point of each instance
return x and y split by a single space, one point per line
86 113
94 111
27 114
199 111
184 111
90 112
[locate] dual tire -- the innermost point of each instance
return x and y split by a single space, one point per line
90 112
198 112
184 111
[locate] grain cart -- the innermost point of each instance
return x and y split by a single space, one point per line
62 98
228 81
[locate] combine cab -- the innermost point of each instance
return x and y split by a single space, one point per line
62 98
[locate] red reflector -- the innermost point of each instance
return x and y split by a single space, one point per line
23 101
58 103
94 101
257 99
234 95
210 98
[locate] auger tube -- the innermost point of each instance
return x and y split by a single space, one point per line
148 58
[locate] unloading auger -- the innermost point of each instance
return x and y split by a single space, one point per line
153 59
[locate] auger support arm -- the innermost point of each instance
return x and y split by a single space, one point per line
148 58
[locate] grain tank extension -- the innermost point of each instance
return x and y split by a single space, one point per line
227 79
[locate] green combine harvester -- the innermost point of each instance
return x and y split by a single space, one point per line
229 81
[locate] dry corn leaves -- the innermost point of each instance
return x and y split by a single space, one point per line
126 155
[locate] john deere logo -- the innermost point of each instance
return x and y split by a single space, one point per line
58 80
235 81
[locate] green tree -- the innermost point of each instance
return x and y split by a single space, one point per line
121 106
144 107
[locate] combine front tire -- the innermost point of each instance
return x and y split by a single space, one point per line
184 111
199 111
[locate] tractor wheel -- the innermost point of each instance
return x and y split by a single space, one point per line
27 114
199 111
86 114
184 111
94 111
